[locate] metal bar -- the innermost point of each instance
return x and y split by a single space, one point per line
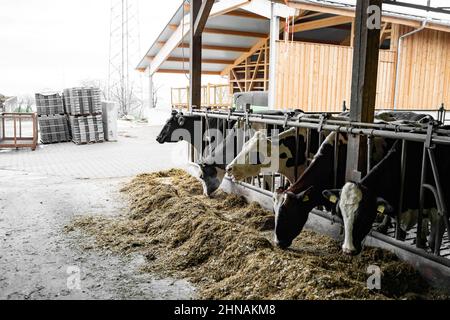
335 162
308 145
369 153
297 151
402 187
416 137
423 177
345 122
416 6
439 190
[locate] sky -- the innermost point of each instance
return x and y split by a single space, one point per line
54 44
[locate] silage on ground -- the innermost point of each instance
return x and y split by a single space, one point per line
223 245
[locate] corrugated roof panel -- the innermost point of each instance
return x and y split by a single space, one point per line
208 54
173 65
239 23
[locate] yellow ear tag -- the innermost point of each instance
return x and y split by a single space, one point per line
305 199
333 199
381 209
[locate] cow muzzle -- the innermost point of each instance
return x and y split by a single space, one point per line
349 252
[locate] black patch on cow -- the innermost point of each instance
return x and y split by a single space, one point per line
289 142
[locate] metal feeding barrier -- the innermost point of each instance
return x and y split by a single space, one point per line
431 134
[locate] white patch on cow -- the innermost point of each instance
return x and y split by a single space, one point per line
349 201
279 198
241 168
205 188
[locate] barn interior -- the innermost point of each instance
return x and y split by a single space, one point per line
317 57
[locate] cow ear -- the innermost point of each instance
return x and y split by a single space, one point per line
332 195
181 121
303 196
383 206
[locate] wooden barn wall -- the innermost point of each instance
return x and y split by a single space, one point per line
424 80
317 77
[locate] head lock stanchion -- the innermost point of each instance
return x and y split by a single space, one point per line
336 157
297 151
436 190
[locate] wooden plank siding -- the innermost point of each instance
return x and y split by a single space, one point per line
424 80
317 77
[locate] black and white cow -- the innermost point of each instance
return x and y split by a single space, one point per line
258 155
359 203
243 167
181 127
292 206
214 165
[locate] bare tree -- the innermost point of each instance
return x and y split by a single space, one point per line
128 101
25 103
96 83
155 96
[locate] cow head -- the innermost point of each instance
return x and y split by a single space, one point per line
251 159
175 122
358 207
291 212
211 177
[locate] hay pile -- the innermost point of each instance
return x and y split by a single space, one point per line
223 246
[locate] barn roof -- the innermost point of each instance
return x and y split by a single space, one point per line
233 28
237 27
391 13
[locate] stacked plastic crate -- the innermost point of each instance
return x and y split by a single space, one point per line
83 105
52 120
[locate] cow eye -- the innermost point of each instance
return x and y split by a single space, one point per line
283 155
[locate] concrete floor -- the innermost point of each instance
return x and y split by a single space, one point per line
41 191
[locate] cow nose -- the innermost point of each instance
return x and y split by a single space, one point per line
349 252
283 244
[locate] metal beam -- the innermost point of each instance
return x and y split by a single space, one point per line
417 6
364 83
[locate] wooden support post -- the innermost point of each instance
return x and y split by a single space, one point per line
195 58
364 82
199 15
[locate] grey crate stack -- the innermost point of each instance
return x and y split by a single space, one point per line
85 114
87 129
52 120
82 101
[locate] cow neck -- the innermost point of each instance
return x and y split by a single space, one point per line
385 171
319 173
218 157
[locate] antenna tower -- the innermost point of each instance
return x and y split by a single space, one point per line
124 83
